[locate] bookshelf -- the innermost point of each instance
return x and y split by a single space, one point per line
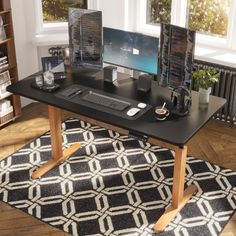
10 106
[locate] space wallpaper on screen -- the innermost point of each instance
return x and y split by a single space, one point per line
131 50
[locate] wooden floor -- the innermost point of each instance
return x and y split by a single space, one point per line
216 143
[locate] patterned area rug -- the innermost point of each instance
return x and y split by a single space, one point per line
114 185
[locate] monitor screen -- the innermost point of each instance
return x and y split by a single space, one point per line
85 37
176 56
130 50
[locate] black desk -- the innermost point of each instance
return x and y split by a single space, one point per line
175 130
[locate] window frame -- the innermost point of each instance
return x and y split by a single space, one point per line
179 17
42 28
60 27
52 33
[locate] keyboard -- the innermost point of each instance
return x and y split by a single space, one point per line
106 101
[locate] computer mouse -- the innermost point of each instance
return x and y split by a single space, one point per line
133 111
142 105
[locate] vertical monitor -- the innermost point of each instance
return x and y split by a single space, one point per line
130 50
85 37
176 56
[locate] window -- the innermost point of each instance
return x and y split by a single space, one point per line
55 11
212 19
51 20
158 11
205 16
209 16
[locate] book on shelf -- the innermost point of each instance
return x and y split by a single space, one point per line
5 80
6 111
3 62
5 104
3 89
4 66
4 77
3 58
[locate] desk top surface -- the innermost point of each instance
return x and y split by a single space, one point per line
175 130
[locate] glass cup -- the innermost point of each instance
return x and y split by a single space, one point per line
39 80
48 79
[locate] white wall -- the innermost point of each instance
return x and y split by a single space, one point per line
120 14
26 52
112 13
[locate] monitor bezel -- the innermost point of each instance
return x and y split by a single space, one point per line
164 77
126 67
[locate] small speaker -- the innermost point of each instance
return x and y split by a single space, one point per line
144 82
110 73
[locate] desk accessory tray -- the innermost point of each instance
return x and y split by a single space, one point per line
69 94
45 88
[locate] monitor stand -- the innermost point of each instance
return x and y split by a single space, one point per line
135 74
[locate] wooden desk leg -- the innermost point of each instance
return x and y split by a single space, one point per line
179 196
58 155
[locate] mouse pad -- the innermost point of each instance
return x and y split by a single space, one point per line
74 94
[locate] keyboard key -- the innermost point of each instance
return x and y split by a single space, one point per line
106 101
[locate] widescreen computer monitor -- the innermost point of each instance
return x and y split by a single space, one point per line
130 50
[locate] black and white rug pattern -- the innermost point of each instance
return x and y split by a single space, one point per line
114 185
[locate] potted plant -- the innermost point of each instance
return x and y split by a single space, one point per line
204 79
